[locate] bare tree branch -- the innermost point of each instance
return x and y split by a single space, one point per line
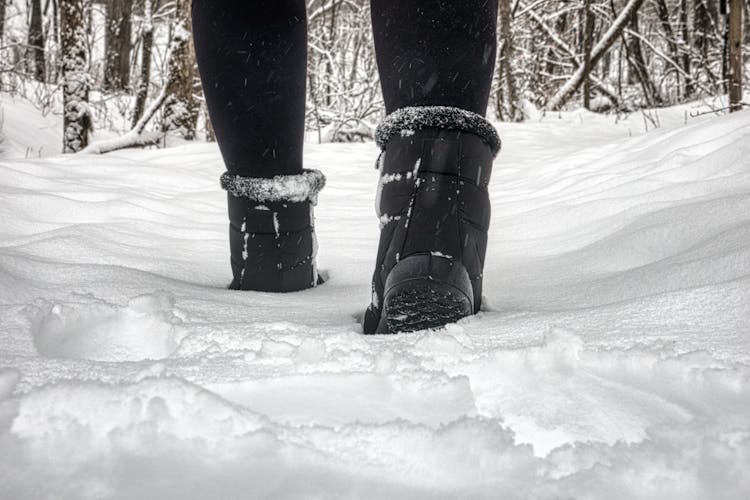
573 84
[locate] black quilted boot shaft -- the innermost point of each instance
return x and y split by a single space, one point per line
271 231
434 211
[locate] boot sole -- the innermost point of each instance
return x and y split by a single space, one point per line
425 291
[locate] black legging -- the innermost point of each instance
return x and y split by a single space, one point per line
252 57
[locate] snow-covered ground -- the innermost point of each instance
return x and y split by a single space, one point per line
612 358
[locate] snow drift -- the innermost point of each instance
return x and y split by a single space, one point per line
611 358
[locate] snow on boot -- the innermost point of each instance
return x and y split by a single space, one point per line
271 231
434 211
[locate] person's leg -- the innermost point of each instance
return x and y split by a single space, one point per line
252 59
436 59
435 52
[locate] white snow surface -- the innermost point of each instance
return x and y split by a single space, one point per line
611 358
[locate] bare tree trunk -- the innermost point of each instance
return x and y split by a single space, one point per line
588 34
331 37
689 87
77 122
2 20
674 53
56 37
701 27
507 104
663 12
640 68
147 46
735 55
210 134
561 25
118 44
606 67
36 40
181 108
706 28
619 71
574 83
55 25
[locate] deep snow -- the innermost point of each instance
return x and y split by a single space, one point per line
612 357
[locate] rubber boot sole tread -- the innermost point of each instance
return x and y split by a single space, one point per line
424 304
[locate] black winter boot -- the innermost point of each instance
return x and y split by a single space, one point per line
434 210
271 231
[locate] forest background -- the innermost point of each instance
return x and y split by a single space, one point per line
128 67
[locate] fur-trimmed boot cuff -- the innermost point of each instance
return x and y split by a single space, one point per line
272 231
406 121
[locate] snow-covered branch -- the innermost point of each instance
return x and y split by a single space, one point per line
137 136
573 84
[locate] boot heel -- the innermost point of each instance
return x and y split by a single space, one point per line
425 291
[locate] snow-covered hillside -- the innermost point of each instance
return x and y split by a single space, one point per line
612 358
